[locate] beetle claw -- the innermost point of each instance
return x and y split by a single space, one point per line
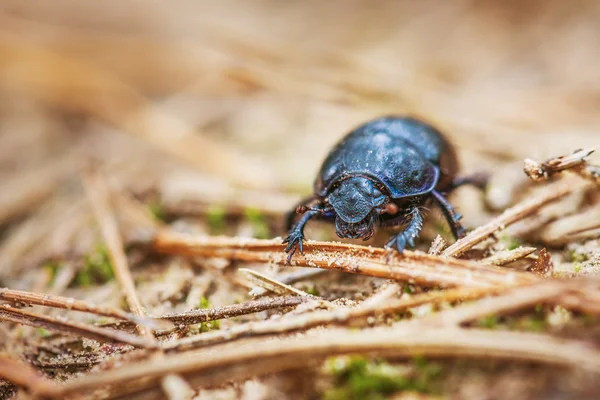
400 241
294 243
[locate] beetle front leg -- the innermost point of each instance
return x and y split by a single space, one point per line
290 217
296 235
414 220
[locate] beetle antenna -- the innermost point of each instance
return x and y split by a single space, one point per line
301 209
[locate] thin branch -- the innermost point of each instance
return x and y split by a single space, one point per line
271 284
176 388
290 278
543 171
437 246
27 190
99 198
230 311
527 207
512 300
337 316
412 266
258 357
507 256
69 303
23 375
76 329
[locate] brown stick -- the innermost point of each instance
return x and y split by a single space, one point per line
338 316
23 375
258 357
229 311
527 207
412 266
69 303
507 256
543 171
99 198
512 300
76 329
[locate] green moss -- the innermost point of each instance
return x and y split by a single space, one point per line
209 325
490 322
258 222
360 378
97 268
204 303
534 323
575 257
157 210
215 217
51 268
577 267
43 332
408 289
312 290
510 242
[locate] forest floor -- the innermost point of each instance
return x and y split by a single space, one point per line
147 167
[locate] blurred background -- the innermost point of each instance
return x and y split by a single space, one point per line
202 102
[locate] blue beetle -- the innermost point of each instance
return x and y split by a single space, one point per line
382 173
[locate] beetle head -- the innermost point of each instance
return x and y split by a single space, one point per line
356 202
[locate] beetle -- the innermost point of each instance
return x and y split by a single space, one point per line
382 173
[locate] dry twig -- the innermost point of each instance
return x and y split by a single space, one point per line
24 375
234 310
575 162
527 207
412 266
337 316
99 197
259 357
507 256
76 329
271 284
69 303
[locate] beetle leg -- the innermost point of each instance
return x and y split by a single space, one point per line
415 223
290 217
296 236
451 215
479 180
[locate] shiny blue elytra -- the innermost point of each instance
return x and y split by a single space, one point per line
381 173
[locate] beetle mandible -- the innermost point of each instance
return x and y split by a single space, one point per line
382 173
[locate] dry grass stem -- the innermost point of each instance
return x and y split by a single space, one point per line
69 303
576 227
23 375
176 388
234 310
412 266
75 329
26 191
339 316
527 207
98 195
259 357
265 282
290 278
507 256
437 246
576 162
511 300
